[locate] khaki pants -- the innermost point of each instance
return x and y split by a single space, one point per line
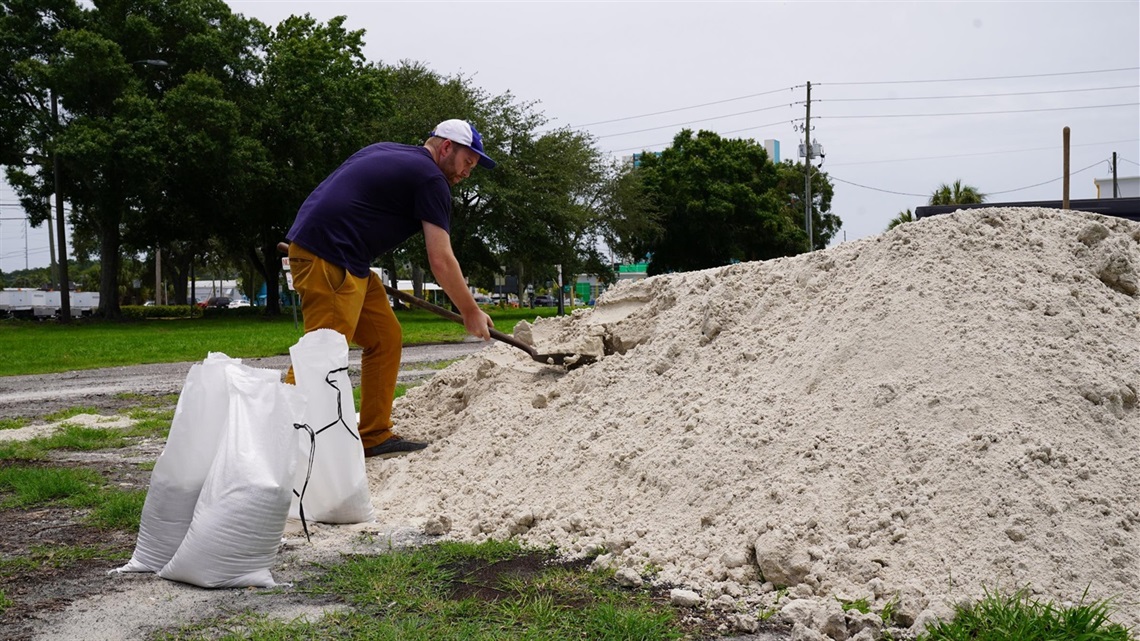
332 298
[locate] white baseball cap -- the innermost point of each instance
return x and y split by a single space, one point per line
464 133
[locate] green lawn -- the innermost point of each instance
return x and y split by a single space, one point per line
44 347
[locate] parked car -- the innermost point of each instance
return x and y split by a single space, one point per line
509 300
216 302
482 299
543 300
241 302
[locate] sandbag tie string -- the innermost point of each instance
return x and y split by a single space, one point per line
308 473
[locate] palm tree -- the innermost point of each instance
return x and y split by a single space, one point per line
956 194
903 217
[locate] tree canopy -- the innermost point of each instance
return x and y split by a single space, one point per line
956 194
902 217
187 130
715 201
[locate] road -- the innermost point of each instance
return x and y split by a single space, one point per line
112 388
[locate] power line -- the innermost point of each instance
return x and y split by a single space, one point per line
1127 160
669 111
884 82
720 133
680 124
980 153
984 113
885 191
1035 75
977 95
992 193
1007 191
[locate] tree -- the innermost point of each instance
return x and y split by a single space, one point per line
956 194
722 201
207 151
28 42
631 221
790 191
316 102
540 207
114 140
903 217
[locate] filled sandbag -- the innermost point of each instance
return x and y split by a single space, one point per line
331 485
181 469
241 512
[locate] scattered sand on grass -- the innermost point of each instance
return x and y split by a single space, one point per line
43 430
947 407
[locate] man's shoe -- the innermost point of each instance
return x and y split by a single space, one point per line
394 446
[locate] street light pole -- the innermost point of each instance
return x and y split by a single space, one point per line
61 236
159 291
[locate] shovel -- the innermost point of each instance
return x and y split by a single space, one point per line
569 361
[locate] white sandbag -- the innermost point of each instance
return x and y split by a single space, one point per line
335 487
181 469
241 511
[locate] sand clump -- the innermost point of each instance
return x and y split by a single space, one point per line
915 417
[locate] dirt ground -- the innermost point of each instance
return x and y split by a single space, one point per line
59 597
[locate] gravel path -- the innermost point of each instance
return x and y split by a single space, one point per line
111 388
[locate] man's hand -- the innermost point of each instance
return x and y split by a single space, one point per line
449 276
478 323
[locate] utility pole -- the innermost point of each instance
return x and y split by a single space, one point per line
61 237
1115 189
807 171
1065 152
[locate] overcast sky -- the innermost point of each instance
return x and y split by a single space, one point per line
879 71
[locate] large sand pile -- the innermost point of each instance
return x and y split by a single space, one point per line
948 407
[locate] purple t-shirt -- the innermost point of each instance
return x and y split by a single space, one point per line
373 202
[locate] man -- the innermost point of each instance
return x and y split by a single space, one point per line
380 197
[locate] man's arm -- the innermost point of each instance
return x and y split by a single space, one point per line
448 274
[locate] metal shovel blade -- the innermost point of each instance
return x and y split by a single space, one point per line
569 361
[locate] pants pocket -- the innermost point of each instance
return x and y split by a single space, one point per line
336 276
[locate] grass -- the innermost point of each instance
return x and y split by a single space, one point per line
22 487
25 487
41 348
63 415
150 423
59 556
998 617
14 423
425 594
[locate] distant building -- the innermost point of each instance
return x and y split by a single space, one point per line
206 289
773 149
1126 187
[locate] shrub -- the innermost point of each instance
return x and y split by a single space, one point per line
140 312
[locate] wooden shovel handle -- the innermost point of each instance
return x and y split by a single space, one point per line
439 311
452 316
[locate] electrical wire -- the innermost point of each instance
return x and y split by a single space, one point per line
838 84
980 153
1127 160
719 133
1073 173
992 193
669 111
1035 75
885 191
981 113
680 124
976 95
